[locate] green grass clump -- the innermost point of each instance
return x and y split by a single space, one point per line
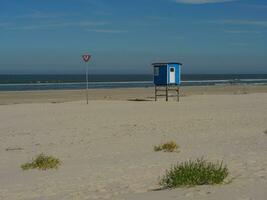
192 173
42 162
166 147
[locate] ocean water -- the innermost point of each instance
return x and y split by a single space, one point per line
76 81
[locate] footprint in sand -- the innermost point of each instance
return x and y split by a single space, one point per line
245 198
190 194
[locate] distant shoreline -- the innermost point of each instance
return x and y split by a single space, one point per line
122 84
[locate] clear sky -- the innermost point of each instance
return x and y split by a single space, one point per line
126 36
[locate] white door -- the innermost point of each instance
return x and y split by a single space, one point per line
172 75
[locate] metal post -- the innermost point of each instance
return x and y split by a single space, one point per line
155 93
167 95
178 94
87 96
86 58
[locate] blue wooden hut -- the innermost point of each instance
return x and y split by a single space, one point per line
167 75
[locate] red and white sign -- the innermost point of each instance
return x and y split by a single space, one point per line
86 57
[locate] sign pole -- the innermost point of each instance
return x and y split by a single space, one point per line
86 59
87 84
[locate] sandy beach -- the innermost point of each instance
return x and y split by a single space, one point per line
106 147
59 96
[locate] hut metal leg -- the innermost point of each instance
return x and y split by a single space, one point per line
178 94
167 95
155 93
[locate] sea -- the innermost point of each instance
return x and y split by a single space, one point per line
31 82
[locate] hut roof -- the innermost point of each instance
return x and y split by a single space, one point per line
167 63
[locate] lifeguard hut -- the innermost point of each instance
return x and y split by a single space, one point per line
167 77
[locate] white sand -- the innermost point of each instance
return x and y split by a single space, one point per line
107 147
59 96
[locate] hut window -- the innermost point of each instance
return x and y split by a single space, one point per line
156 71
172 69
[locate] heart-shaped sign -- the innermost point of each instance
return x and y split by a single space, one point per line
86 57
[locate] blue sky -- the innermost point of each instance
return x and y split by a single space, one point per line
125 36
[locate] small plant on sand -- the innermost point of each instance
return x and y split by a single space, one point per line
192 173
42 162
166 147
265 132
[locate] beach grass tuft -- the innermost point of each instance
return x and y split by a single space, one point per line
265 132
167 147
192 173
42 162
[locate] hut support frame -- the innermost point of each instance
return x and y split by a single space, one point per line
164 91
